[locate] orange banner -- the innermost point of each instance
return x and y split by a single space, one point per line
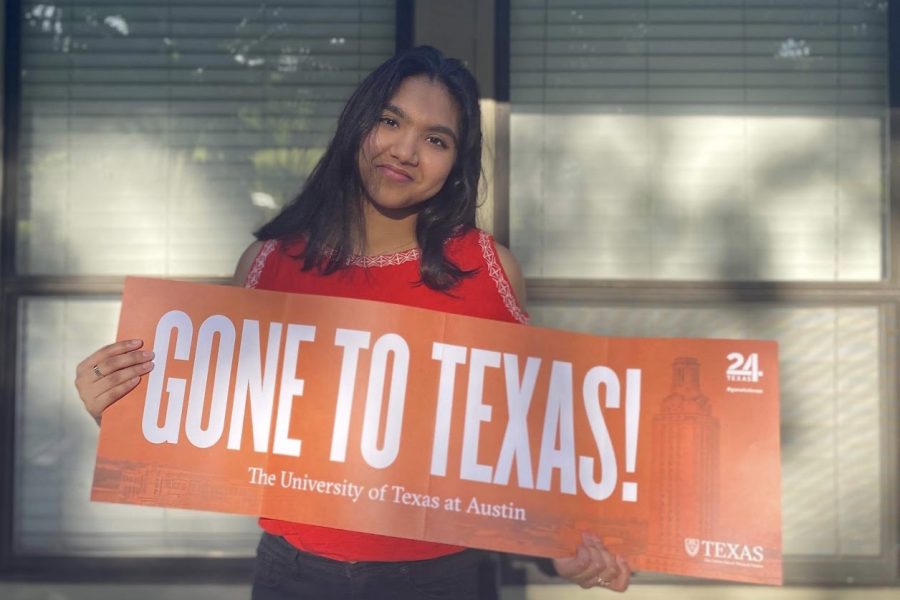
414 423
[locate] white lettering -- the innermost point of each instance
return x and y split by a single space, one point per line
476 413
173 321
450 356
221 326
559 425
515 440
250 381
388 344
602 489
352 341
291 386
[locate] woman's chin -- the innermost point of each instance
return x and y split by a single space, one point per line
395 210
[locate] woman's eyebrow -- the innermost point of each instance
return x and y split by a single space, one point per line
435 128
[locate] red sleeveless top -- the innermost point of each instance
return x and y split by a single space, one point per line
387 278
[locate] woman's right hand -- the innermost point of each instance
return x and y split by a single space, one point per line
111 372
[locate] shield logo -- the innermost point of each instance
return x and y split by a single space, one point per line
691 546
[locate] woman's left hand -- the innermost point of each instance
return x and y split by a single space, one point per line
593 565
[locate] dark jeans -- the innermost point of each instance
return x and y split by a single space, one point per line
284 573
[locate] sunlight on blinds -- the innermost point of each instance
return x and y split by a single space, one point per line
55 451
831 380
733 140
155 136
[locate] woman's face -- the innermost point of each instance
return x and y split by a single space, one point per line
408 155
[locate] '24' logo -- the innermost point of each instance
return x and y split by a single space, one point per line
743 369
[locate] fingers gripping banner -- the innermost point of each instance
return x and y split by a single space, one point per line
414 423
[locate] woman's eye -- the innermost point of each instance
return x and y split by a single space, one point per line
389 121
437 142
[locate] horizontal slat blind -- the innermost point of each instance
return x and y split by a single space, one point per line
667 139
56 444
830 376
156 135
732 54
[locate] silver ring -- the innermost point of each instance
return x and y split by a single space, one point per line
97 371
602 582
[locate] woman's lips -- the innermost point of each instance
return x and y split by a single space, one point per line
394 173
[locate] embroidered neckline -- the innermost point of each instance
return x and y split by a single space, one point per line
385 260
495 270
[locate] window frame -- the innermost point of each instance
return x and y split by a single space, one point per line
492 47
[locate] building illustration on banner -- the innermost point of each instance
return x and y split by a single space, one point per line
685 467
156 485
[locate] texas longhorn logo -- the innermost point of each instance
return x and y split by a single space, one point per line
691 546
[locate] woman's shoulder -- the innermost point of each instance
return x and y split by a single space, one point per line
513 272
245 263
252 262
500 262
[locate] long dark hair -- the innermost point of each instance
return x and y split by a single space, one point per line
328 212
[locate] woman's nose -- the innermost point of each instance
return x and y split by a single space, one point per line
404 147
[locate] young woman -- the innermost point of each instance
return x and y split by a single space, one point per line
387 214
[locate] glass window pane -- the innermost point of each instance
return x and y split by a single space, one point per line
55 446
831 407
713 141
154 137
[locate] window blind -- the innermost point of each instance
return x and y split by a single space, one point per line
709 140
56 442
831 378
156 135
673 140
